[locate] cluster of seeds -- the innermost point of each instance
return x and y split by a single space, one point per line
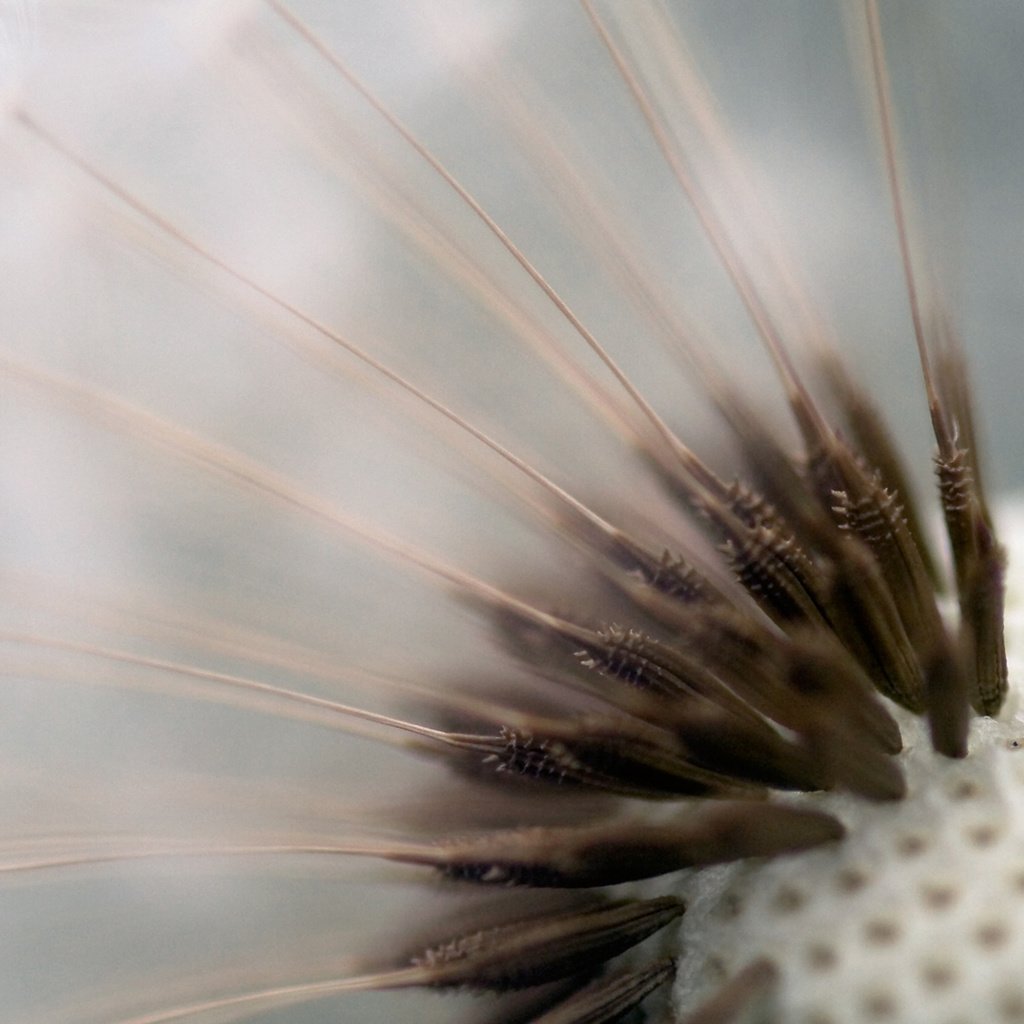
805 695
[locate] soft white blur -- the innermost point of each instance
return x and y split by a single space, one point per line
218 117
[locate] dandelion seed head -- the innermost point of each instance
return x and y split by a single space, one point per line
178 588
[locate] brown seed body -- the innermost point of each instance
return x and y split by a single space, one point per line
542 949
611 854
608 999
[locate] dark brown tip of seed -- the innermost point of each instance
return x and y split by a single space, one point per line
610 998
949 710
751 750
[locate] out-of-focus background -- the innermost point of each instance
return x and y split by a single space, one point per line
219 117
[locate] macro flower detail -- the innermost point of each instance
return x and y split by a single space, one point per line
328 685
